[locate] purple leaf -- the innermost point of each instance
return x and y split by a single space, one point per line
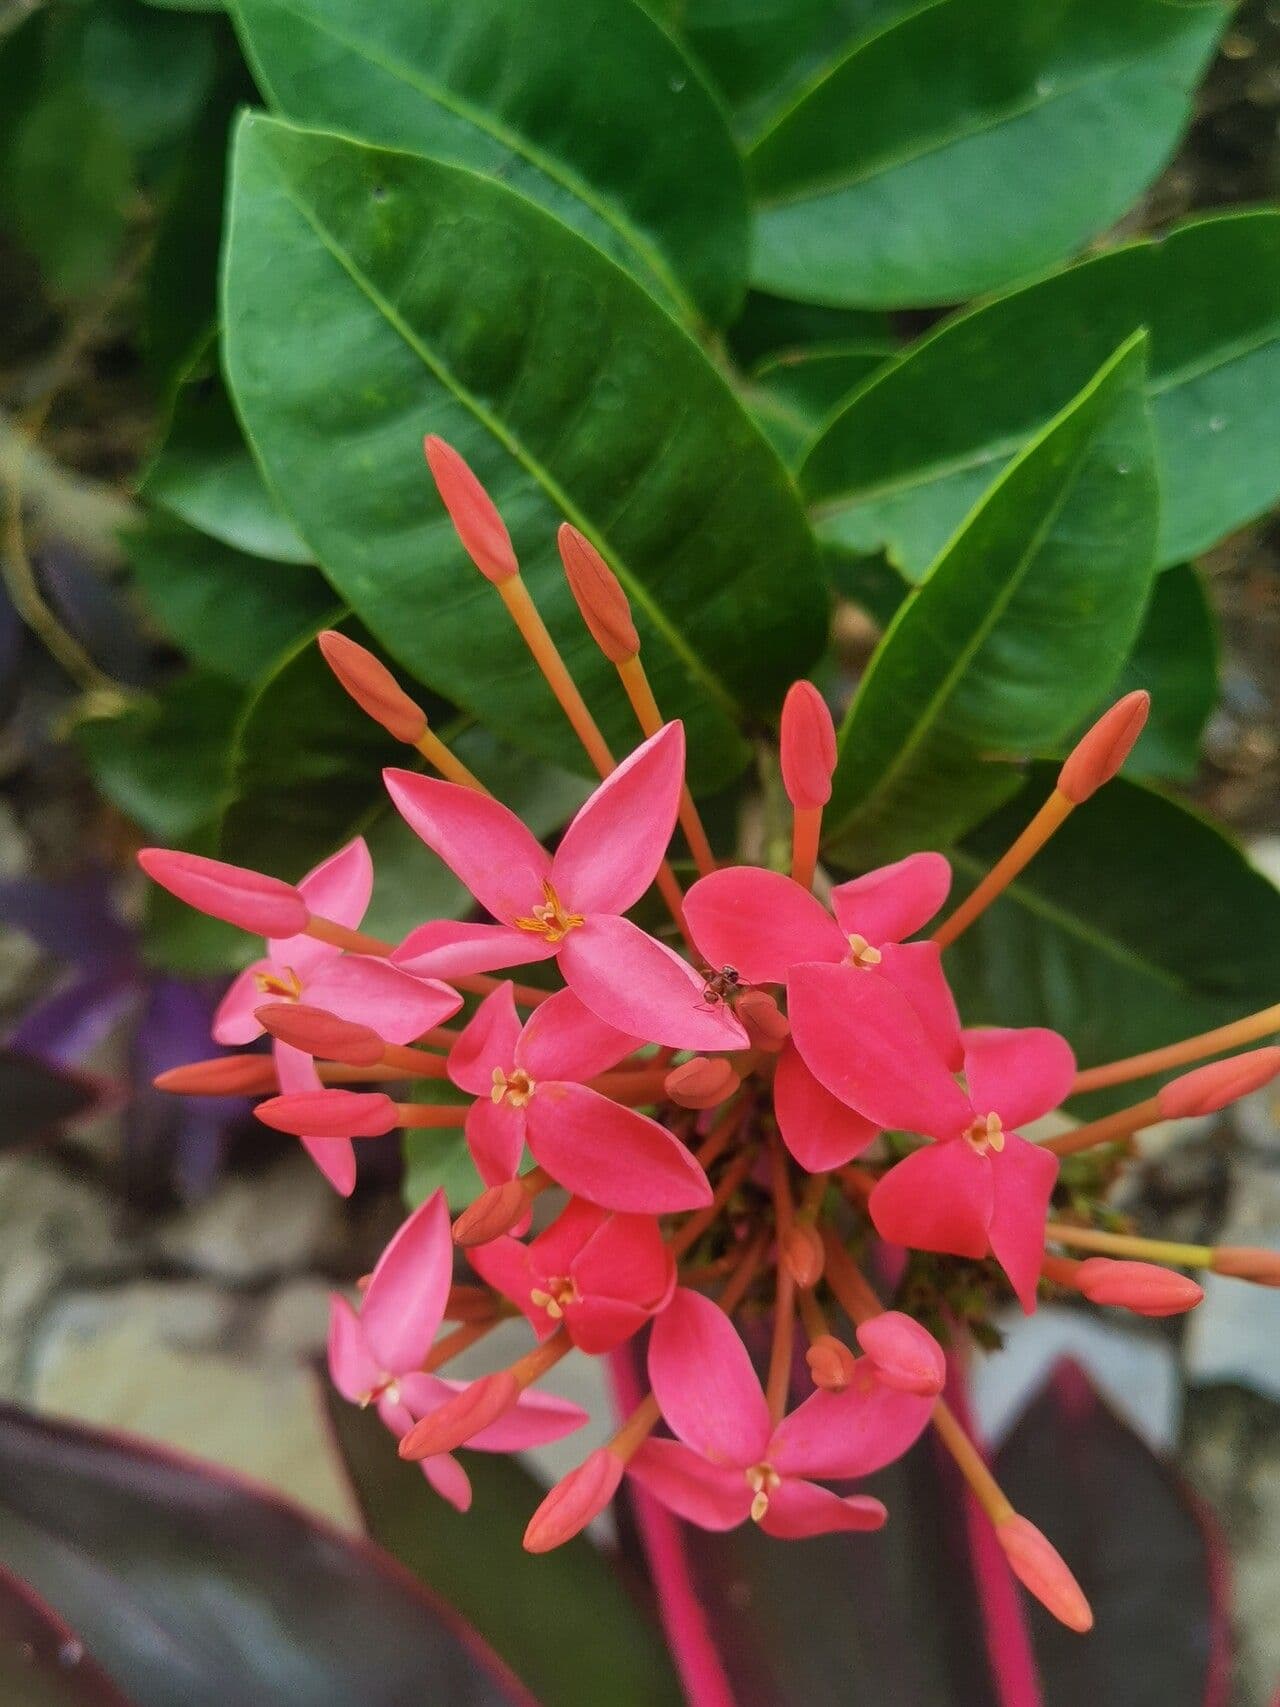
74 920
74 1020
43 1663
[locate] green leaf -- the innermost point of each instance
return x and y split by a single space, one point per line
1021 625
204 474
586 107
444 302
1138 923
792 391
229 612
913 450
972 144
565 1621
769 325
1176 659
150 74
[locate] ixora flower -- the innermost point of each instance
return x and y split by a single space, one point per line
692 1098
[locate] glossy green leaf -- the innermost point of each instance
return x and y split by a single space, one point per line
768 325
584 106
971 144
151 75
566 1621
1137 924
912 451
1175 658
791 392
232 613
204 474
445 303
1019 628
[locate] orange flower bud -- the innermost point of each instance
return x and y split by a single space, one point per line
373 687
459 1418
330 1114
1099 753
574 1501
831 1364
906 1355
1043 1572
316 1032
808 747
766 1025
262 905
1143 1287
1210 1088
804 1253
472 511
223 1075
493 1213
605 608
701 1083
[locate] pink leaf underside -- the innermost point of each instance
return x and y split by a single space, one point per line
611 1155
488 1040
798 1509
234 1022
352 1366
563 1039
444 948
860 1037
495 1134
485 846
369 991
714 1496
610 853
915 969
939 1198
403 1304
641 987
820 1131
761 923
895 901
1022 1178
851 1433
705 1386
1019 1074
335 1157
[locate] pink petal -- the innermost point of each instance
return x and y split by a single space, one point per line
263 906
563 1039
533 1420
1023 1177
488 1040
371 992
937 1199
761 923
915 968
1020 1074
335 1157
485 846
611 1155
860 1038
352 1367
338 888
820 1131
904 1352
626 1258
403 1304
611 851
799 1509
449 1479
851 1433
445 949
504 1264
558 1247
235 1021
714 1496
641 987
598 1325
704 1383
895 901
495 1134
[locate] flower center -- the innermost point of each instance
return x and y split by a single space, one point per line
561 1290
386 1387
861 952
517 1089
986 1133
285 983
762 1479
549 919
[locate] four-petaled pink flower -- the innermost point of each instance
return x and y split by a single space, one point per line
603 1275
361 987
376 1353
528 1085
730 1462
570 905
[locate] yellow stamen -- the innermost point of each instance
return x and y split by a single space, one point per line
862 954
986 1133
517 1090
561 1290
550 920
285 984
762 1479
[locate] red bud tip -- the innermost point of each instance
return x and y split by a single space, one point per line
1248 1262
1042 1571
831 1364
318 1033
222 1076
1099 753
906 1356
262 905
766 1025
804 1254
461 1417
472 511
605 608
703 1082
1143 1287
808 748
330 1114
493 1213
373 687
574 1501
1210 1088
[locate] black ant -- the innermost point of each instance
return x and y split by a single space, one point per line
721 985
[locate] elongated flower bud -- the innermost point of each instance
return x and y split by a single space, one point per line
1210 1088
493 1213
1248 1262
472 511
804 1253
1143 1287
262 905
317 1032
223 1075
831 1363
1043 1572
463 1416
808 747
1099 753
373 687
703 1082
330 1114
605 608
906 1356
767 1027
574 1501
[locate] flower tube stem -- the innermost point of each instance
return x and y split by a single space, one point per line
1111 1129
419 1114
447 763
806 833
698 1223
1129 1245
988 1492
1055 811
1251 1029
458 1340
853 1293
